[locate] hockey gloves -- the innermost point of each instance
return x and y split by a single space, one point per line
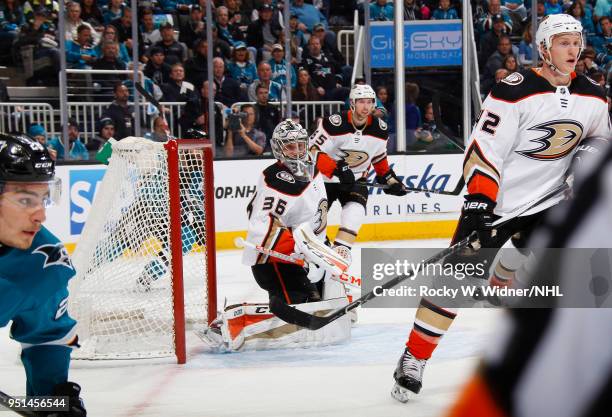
395 185
477 215
72 390
345 175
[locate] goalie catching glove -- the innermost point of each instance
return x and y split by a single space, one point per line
321 258
395 185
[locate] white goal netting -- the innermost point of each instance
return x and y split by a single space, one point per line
122 295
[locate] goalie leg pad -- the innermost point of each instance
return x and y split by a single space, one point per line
254 327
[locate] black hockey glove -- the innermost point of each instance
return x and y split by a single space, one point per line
395 185
76 407
477 215
345 175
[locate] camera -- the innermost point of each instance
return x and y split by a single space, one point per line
234 119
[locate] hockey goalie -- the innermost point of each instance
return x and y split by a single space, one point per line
286 251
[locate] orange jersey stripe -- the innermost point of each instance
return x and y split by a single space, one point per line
482 184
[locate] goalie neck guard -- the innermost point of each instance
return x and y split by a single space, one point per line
290 147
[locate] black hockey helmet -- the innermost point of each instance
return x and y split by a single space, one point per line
23 159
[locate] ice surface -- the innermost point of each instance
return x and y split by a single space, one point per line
353 379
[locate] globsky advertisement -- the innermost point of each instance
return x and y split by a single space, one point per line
235 187
428 43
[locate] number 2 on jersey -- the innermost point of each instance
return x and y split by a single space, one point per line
491 122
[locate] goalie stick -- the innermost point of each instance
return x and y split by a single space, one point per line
5 400
344 278
318 322
456 191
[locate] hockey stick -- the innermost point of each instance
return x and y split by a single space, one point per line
561 189
6 399
456 191
343 278
318 322
149 97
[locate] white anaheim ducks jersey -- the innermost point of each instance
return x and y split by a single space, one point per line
280 203
337 139
524 139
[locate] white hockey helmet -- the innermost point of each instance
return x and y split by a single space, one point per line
556 24
290 146
361 91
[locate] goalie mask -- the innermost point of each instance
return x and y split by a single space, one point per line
361 91
290 146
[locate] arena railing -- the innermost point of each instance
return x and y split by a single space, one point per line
88 113
19 117
308 111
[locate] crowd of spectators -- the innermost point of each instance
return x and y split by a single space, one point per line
249 63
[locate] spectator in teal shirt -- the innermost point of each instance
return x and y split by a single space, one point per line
78 151
80 52
552 7
279 66
445 11
381 10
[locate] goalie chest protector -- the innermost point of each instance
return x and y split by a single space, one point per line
281 202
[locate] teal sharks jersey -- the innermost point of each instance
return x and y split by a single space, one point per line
34 295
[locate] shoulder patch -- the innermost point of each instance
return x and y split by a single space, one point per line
382 124
592 81
335 119
55 254
285 176
279 179
518 86
584 85
514 79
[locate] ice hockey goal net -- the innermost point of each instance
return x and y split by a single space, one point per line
145 261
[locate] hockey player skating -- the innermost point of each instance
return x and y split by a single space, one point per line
533 372
344 148
34 271
288 214
531 125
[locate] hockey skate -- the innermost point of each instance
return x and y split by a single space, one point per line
408 377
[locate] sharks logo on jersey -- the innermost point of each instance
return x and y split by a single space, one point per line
54 255
561 138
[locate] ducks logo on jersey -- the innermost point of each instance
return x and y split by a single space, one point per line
353 158
561 138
